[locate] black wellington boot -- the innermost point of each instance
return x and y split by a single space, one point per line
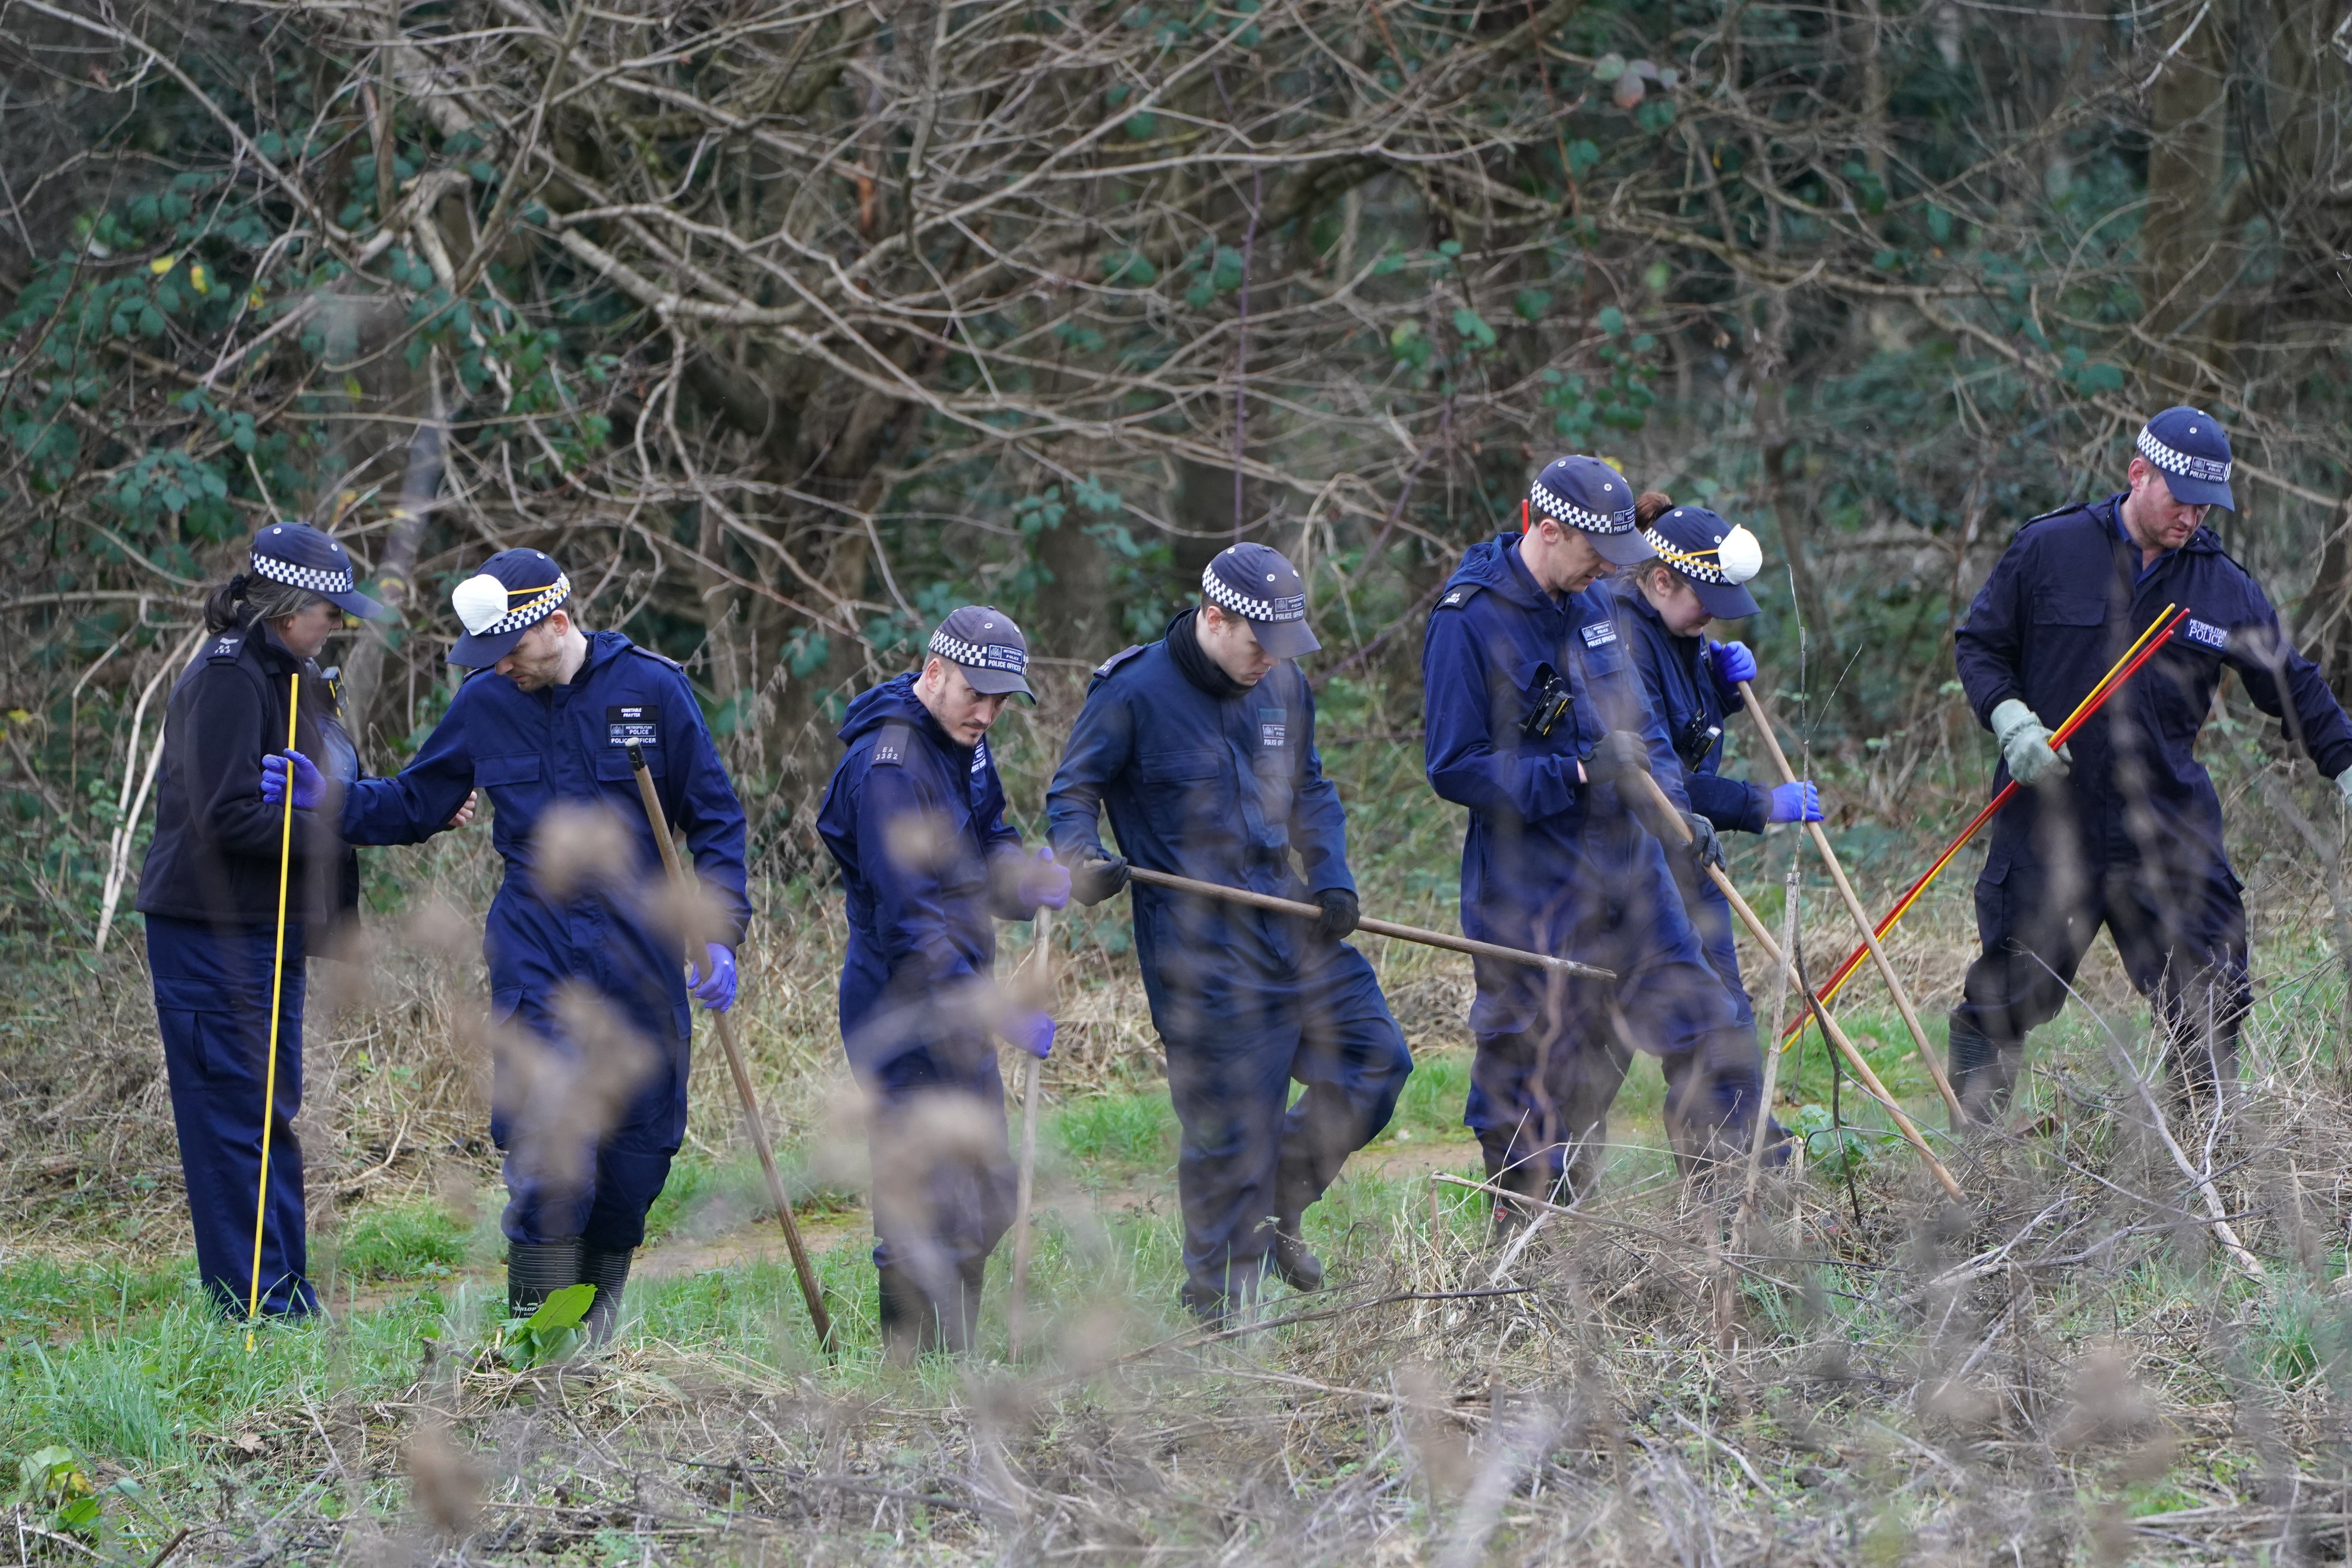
1298 1268
536 1270
909 1324
608 1270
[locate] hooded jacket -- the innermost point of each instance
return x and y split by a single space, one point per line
1546 853
917 824
1690 705
2064 601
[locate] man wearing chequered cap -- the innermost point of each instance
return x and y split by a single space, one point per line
1535 720
543 722
2122 827
1201 747
915 819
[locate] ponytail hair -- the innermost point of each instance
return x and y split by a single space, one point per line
224 604
247 597
1651 505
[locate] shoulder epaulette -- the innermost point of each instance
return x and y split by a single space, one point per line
1121 656
226 646
892 744
1457 595
656 655
2045 517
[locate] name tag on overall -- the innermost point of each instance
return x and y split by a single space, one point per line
627 722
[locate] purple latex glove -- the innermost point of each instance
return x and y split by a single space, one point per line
1732 663
1032 1032
1797 802
1043 883
715 988
310 784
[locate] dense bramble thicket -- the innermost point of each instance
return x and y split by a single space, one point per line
789 324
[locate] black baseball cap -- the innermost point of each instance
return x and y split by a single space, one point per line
1253 581
982 641
301 556
514 591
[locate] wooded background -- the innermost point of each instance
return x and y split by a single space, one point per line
789 325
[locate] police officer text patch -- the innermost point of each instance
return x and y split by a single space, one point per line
1273 727
2197 631
627 722
1599 633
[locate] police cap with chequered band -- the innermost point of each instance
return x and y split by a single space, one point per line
301 556
982 641
1586 493
514 591
1253 581
1714 557
2191 451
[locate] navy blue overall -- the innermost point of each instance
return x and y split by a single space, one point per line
1688 702
589 1097
209 890
1556 865
916 825
1229 791
2132 838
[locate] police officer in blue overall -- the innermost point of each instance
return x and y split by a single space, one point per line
2122 827
209 890
1536 720
1699 571
588 1102
1202 746
915 818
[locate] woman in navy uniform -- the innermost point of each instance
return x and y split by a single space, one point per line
589 1103
1535 719
1699 571
2123 828
209 892
915 818
1202 748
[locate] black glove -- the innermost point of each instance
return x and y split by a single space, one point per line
1097 877
1340 913
1619 756
1705 848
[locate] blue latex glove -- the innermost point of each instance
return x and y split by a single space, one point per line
1732 663
1797 802
310 784
1032 1032
715 988
1044 884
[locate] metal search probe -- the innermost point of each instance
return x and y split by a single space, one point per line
1389 929
1837 1034
659 823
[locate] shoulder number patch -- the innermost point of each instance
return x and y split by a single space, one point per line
2197 631
627 722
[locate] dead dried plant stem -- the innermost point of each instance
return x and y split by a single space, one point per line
2215 1210
1033 1099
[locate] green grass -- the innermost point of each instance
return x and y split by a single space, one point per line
402 1241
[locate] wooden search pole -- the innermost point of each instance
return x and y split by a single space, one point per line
1032 1097
659 823
1861 916
1389 929
1836 1032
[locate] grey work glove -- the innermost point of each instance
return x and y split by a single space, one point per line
2344 785
2025 745
1097 877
